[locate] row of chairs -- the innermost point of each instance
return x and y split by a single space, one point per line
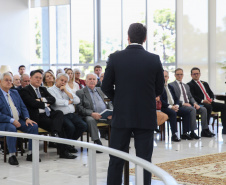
214 115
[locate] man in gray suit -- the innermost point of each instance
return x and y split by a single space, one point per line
183 93
91 105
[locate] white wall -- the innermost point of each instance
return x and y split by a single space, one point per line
14 34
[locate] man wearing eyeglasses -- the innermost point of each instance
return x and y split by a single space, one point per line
188 102
202 93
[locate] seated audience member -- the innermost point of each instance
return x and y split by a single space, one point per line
71 84
21 69
91 105
98 71
48 79
170 106
74 126
38 101
187 101
14 115
59 71
25 80
16 81
80 82
101 79
161 117
202 93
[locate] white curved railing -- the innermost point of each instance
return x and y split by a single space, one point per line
140 164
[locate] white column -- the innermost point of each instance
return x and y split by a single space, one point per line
212 43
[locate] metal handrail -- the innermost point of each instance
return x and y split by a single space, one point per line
140 164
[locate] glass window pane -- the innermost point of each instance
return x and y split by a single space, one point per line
161 29
110 27
82 31
133 12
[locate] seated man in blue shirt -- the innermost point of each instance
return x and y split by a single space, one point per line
73 124
14 115
91 105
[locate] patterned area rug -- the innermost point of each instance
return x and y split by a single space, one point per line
202 170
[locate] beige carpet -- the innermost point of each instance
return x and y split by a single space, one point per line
202 170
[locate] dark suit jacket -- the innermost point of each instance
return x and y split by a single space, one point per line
197 92
164 98
85 107
29 97
5 114
138 79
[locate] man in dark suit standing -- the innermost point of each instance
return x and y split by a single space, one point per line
38 101
202 93
133 99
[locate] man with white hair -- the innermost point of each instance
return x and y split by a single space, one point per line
14 115
74 126
16 81
91 105
24 80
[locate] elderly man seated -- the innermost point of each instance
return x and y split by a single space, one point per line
74 126
91 105
14 115
24 80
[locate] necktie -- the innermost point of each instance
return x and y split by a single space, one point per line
183 91
168 95
46 108
13 108
207 97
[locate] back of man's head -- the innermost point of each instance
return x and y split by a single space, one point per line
137 33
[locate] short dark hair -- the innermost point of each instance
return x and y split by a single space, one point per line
137 33
97 66
32 73
21 66
178 69
195 68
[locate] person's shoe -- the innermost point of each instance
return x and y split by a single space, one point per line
98 142
72 149
29 158
206 133
175 138
186 136
13 160
66 155
194 136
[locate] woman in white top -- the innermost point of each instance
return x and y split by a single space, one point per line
71 83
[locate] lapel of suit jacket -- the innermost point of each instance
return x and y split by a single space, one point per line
87 95
177 88
4 100
100 93
32 91
197 86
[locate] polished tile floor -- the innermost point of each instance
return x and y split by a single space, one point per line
54 170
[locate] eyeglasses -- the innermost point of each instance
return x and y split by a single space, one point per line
179 74
196 74
7 80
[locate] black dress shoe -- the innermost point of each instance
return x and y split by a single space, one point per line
194 136
98 142
29 158
186 136
205 133
72 149
175 138
13 160
66 155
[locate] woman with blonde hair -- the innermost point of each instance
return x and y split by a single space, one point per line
71 83
48 79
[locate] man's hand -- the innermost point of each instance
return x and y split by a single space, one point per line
37 99
70 102
109 117
187 104
16 124
29 121
175 108
206 101
48 105
196 106
63 88
96 115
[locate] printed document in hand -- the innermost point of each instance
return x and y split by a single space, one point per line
106 113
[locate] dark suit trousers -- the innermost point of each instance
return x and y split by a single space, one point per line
53 123
217 107
120 139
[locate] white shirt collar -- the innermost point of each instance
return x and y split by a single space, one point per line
136 44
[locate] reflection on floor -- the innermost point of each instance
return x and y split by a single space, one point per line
54 170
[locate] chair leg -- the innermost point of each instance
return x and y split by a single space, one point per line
217 122
45 146
22 148
81 138
5 149
109 134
